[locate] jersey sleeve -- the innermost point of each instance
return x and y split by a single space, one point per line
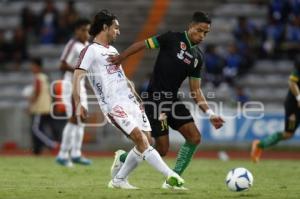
68 52
86 58
294 76
159 40
196 71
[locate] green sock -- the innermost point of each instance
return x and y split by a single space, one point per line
123 157
184 157
270 140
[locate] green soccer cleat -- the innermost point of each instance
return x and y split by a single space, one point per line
81 160
175 180
167 186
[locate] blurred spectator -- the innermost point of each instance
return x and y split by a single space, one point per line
63 32
273 35
291 46
241 96
214 66
293 30
40 104
70 14
29 23
3 48
295 7
48 23
244 28
233 64
66 22
279 10
29 20
17 49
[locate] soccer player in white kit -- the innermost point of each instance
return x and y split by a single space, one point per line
70 149
117 100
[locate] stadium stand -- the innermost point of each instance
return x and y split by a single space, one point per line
263 73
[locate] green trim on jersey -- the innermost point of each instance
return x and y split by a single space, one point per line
152 42
147 45
187 38
294 76
195 77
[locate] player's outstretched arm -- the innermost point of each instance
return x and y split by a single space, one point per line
80 110
200 100
134 48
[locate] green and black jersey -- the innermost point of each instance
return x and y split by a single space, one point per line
178 59
291 99
292 111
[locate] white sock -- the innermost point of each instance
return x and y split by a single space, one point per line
133 159
66 143
154 159
77 141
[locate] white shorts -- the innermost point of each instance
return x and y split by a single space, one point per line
67 97
128 116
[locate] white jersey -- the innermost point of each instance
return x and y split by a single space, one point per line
108 81
71 54
111 88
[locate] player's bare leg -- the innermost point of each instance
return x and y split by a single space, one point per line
259 145
256 151
162 145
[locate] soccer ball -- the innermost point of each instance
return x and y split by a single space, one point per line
239 179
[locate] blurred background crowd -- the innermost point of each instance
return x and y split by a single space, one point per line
250 49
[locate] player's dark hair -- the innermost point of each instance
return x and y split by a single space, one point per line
81 22
201 17
37 61
101 18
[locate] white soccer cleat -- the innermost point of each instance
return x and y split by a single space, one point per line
174 180
117 164
167 186
120 184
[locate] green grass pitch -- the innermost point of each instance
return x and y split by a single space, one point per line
41 178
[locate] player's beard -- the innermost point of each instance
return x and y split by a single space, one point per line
111 39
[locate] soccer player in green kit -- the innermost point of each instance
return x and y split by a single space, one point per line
292 117
179 58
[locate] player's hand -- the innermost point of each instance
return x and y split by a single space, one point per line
216 121
82 113
115 59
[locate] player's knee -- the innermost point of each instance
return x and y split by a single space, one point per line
162 151
150 139
195 140
137 137
162 145
140 140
